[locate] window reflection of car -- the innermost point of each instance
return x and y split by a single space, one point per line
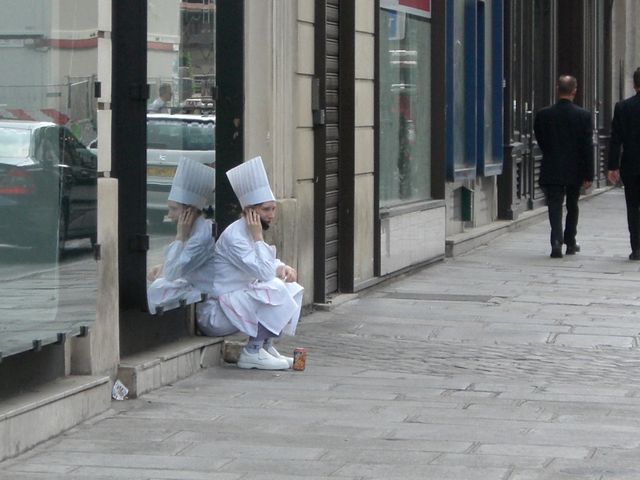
47 187
171 137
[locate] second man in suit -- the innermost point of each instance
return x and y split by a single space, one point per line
565 135
625 136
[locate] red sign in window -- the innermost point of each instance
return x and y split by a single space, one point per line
421 8
424 5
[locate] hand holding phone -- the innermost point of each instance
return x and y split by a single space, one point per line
253 222
185 223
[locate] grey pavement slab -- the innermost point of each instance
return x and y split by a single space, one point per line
498 364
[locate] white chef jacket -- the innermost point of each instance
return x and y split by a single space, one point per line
246 290
187 270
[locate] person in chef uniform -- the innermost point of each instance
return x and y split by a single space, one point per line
253 291
188 265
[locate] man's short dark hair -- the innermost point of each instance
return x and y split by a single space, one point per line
636 78
567 84
164 89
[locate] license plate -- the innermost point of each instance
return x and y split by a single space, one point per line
161 171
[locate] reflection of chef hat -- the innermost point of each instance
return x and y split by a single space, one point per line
193 184
250 183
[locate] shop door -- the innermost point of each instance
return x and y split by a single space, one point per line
326 89
584 48
533 72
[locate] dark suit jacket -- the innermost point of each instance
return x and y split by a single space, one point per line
564 134
625 135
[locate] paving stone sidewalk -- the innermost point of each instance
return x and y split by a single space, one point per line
500 364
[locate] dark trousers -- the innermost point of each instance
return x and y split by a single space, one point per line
555 195
632 197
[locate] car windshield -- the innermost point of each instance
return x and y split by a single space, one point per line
179 134
14 142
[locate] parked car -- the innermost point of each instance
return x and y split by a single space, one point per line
171 137
47 187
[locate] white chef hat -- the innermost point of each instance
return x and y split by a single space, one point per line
193 184
250 183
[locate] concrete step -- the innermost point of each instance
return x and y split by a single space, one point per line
48 410
163 365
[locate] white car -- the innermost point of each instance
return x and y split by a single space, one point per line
171 137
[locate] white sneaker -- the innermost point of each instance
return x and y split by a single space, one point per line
261 360
274 353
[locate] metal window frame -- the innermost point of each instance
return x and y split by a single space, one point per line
128 144
229 106
377 221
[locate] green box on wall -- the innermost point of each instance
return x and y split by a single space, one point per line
466 204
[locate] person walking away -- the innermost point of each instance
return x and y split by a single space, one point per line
565 135
625 137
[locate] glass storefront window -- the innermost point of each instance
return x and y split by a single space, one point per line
181 112
490 88
405 110
474 88
47 171
461 84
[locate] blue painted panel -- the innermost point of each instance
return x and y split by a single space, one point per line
449 90
480 90
470 91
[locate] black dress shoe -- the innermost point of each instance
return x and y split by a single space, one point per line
556 252
573 249
635 255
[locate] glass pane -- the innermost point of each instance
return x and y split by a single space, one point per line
405 109
601 69
460 157
47 170
489 85
181 112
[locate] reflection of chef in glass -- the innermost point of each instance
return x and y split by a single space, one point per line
188 261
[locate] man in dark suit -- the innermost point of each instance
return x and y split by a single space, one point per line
625 135
564 134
